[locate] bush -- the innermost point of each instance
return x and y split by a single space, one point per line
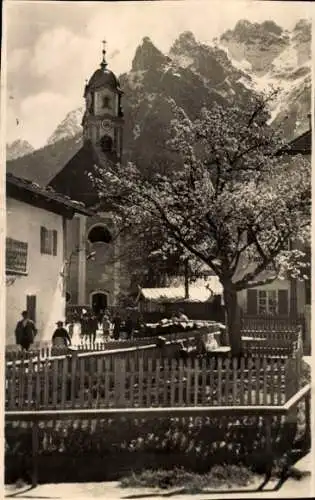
228 476
108 448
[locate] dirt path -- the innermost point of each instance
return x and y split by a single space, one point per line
112 491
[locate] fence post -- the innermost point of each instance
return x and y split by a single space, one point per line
73 378
308 421
268 447
35 446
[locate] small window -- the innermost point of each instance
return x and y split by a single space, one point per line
106 144
265 302
48 241
106 102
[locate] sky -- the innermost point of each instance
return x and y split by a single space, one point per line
53 47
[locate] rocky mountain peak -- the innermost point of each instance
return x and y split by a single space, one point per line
18 148
302 31
257 43
252 57
69 127
245 31
147 56
185 42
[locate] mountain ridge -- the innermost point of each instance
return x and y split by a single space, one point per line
18 148
194 74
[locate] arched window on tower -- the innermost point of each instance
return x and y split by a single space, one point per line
99 234
106 144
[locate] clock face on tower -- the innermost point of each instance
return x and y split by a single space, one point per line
106 125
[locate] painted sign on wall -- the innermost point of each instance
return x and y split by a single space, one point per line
16 256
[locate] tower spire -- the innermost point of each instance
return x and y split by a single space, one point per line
104 63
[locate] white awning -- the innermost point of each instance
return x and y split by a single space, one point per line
198 292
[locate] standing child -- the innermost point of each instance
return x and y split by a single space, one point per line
106 325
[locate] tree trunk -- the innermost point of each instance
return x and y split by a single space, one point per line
186 279
233 321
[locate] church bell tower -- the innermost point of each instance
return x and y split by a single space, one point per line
103 119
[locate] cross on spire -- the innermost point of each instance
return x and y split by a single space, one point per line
104 63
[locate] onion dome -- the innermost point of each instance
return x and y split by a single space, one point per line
103 77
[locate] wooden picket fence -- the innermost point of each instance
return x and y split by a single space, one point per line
268 323
271 343
132 381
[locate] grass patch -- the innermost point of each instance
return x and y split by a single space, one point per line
227 476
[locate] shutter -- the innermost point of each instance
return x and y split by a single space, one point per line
55 236
252 302
31 306
283 302
42 239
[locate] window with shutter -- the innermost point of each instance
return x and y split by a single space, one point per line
252 301
48 241
55 235
42 239
283 306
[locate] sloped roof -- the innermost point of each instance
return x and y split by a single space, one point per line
301 144
197 293
73 178
42 165
17 187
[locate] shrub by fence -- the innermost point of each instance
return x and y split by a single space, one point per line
107 447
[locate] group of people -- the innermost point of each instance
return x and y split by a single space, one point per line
89 323
26 331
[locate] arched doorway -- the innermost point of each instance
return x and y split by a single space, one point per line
98 301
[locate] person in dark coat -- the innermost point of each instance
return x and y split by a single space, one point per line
129 327
25 331
117 325
93 327
84 326
61 336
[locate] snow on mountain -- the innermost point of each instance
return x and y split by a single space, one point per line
257 43
18 149
69 127
274 58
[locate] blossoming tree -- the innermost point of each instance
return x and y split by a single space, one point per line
236 198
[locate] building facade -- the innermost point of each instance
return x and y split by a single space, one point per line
286 297
36 255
